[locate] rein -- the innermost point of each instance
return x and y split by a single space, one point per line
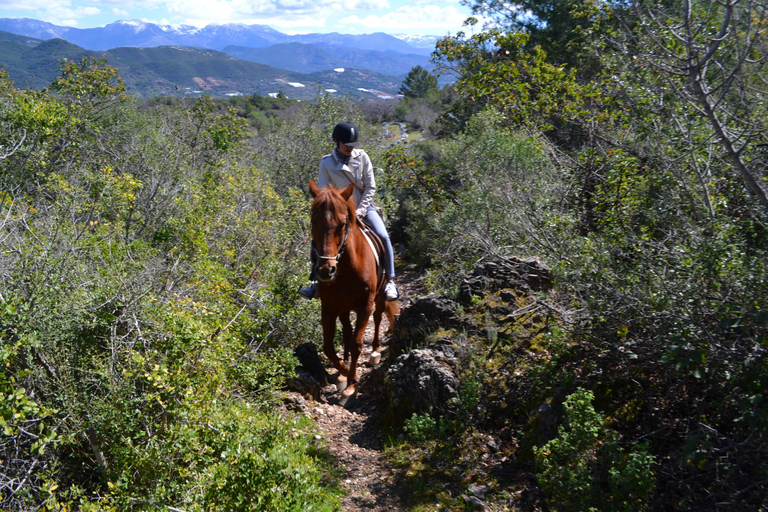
341 247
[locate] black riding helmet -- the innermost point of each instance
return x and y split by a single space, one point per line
346 133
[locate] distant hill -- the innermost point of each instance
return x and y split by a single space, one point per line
32 63
147 72
306 58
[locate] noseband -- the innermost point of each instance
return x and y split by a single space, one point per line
341 247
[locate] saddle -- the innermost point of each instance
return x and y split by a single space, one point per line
377 246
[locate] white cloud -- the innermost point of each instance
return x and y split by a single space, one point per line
247 11
130 5
66 16
21 5
410 18
289 16
278 22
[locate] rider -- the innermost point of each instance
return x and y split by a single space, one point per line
350 164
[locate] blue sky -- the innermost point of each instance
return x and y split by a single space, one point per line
423 17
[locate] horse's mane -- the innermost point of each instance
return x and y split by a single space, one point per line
330 199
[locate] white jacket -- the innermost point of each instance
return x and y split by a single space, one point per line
358 170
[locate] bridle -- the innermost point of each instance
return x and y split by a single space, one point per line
341 247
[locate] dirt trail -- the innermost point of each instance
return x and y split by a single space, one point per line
353 433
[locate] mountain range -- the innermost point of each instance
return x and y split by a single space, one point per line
155 59
179 71
214 37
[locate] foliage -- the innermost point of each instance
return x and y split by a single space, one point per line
574 468
713 65
421 427
563 27
292 152
478 194
145 305
638 202
495 69
151 255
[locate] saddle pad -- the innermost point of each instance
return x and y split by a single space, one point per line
377 246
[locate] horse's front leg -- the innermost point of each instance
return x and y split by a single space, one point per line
377 314
356 347
329 333
346 333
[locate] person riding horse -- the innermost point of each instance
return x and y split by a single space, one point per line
348 163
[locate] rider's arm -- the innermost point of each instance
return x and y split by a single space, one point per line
369 186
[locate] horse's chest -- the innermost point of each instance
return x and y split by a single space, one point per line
343 296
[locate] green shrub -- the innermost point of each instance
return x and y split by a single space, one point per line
421 427
586 468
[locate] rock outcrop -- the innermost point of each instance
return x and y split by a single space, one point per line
425 316
523 275
494 300
311 375
424 381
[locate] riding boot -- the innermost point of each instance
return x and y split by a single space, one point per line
310 292
391 291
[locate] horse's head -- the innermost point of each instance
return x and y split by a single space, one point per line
333 215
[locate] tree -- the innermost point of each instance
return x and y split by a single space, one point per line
563 28
521 83
419 83
712 56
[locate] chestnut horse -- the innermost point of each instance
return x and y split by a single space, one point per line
347 277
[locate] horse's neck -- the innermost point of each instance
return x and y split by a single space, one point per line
355 237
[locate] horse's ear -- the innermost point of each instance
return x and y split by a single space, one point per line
313 190
347 192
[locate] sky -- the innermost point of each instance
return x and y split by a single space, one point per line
418 17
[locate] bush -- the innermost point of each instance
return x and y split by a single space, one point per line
489 191
586 468
147 310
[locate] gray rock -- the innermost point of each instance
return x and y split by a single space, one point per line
481 491
425 316
476 503
296 403
305 384
310 362
423 381
524 275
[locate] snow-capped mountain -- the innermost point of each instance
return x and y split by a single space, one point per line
422 42
137 33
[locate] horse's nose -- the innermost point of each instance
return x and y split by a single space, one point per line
326 271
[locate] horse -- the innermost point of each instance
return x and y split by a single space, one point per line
348 279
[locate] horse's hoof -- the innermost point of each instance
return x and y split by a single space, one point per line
341 383
375 358
346 395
